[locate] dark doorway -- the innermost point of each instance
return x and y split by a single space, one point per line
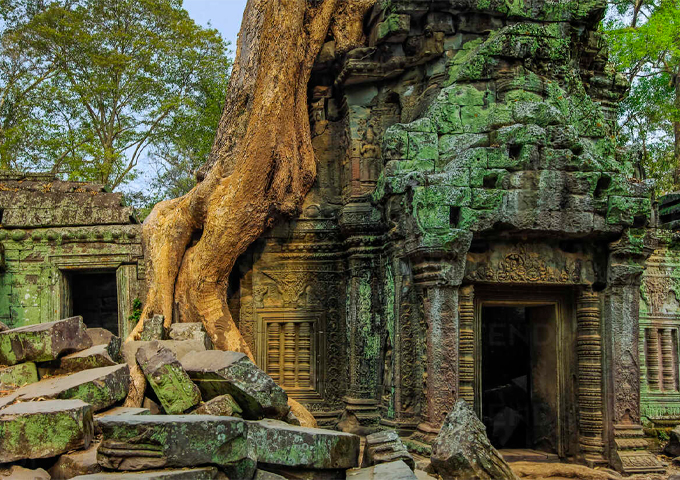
519 377
95 298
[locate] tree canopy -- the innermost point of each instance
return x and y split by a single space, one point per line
90 87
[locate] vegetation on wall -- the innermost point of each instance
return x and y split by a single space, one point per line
88 88
644 37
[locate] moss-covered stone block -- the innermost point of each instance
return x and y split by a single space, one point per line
475 119
279 444
143 442
93 357
483 199
466 95
628 211
171 384
394 28
538 113
44 429
18 375
519 134
500 115
395 143
446 117
453 146
423 146
43 342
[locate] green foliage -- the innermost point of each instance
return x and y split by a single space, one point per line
645 45
90 87
663 435
136 310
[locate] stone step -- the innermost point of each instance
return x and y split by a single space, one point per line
142 442
100 387
218 373
277 443
165 375
44 429
43 342
205 473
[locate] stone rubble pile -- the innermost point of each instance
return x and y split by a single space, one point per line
62 388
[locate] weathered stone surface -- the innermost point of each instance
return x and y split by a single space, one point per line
179 348
82 462
172 385
386 447
100 387
153 407
462 449
218 373
118 411
43 342
190 331
17 472
18 375
205 473
94 357
277 443
140 442
222 406
153 329
672 448
101 336
44 429
264 475
397 470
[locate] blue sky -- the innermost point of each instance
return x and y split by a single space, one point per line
224 15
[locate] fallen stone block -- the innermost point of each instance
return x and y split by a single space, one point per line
171 384
205 473
82 462
93 357
386 447
672 448
263 475
44 429
118 411
17 472
153 407
18 375
153 329
142 442
305 474
398 470
190 331
101 336
218 373
222 406
462 449
179 348
100 387
280 444
43 342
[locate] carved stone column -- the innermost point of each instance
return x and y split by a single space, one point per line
466 361
667 360
440 311
627 445
652 358
589 350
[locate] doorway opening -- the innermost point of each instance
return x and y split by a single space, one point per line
519 383
94 296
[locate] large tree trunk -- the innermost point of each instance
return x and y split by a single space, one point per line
261 167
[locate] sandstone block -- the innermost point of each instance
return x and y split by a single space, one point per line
462 449
93 357
190 331
205 473
386 447
153 328
82 462
101 336
100 387
219 373
398 470
179 348
222 406
672 448
172 385
118 411
263 475
142 442
18 375
44 429
43 342
17 472
279 444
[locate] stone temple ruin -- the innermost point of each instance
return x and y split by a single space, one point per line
474 233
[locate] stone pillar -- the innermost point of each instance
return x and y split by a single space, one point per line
440 312
652 352
589 350
466 349
667 360
627 445
364 324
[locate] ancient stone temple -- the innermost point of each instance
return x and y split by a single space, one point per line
67 248
474 233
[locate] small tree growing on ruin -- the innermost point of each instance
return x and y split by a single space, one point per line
261 166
